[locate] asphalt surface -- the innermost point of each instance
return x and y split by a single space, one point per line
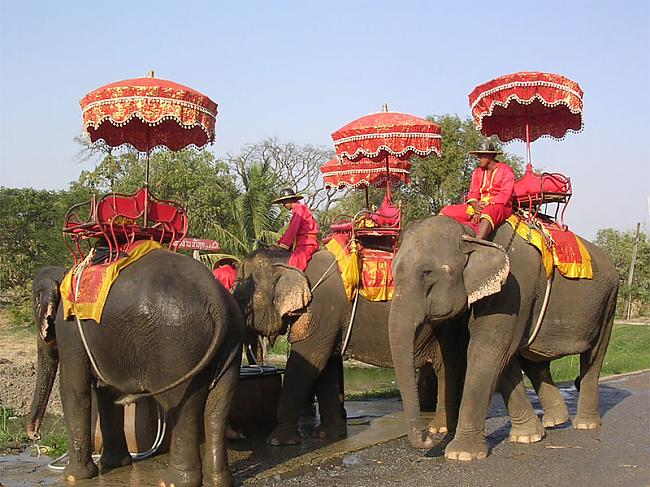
618 454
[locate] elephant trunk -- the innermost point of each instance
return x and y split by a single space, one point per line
48 362
403 322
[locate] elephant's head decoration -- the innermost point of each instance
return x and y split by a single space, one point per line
268 291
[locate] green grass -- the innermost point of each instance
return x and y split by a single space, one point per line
13 436
628 351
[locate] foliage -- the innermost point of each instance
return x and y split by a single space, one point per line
194 178
618 246
295 166
255 219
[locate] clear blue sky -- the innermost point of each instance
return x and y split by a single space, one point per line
299 70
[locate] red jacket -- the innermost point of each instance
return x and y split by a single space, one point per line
226 274
302 229
497 189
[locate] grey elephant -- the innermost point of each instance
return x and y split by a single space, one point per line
438 271
313 308
167 329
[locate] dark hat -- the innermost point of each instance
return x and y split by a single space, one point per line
226 261
287 195
486 147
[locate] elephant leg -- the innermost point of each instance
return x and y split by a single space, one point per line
427 387
591 363
485 360
115 452
448 371
187 426
331 397
555 409
526 426
76 400
215 456
304 366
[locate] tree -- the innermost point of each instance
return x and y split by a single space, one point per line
194 178
296 166
618 246
255 218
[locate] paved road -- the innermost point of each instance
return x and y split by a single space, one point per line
618 454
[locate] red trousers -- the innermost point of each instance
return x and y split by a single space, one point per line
302 252
495 214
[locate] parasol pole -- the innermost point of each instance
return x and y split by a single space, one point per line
390 197
528 143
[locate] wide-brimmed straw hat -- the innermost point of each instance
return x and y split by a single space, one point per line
225 261
287 195
486 147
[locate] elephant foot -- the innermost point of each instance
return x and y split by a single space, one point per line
178 478
72 473
329 431
221 479
555 416
283 437
419 439
441 424
529 432
587 422
467 449
110 461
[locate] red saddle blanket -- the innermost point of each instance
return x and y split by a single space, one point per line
85 287
367 271
560 248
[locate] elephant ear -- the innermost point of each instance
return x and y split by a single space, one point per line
46 297
291 291
486 268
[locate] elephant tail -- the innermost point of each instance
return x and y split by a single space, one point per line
217 340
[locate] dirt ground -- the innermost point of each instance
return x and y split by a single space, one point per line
18 371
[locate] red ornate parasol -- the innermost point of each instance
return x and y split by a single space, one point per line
147 113
527 105
339 173
384 133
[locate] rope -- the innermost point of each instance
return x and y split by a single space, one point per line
79 273
349 332
542 312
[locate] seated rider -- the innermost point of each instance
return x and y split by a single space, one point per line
489 201
225 271
301 237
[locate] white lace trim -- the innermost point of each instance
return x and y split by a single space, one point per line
366 171
422 135
524 84
358 184
385 148
184 103
96 124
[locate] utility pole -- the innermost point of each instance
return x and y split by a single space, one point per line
630 276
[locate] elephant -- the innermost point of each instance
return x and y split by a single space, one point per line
440 273
169 330
313 306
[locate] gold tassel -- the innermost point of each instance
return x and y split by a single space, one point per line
352 272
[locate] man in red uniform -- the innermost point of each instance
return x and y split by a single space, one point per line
301 236
225 271
489 201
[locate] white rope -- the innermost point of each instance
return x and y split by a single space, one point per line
349 332
542 312
79 273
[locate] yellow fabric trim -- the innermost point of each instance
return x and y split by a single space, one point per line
93 311
488 218
533 237
344 260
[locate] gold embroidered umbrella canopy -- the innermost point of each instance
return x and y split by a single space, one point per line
527 105
149 112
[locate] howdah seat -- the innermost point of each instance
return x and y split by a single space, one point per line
534 190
